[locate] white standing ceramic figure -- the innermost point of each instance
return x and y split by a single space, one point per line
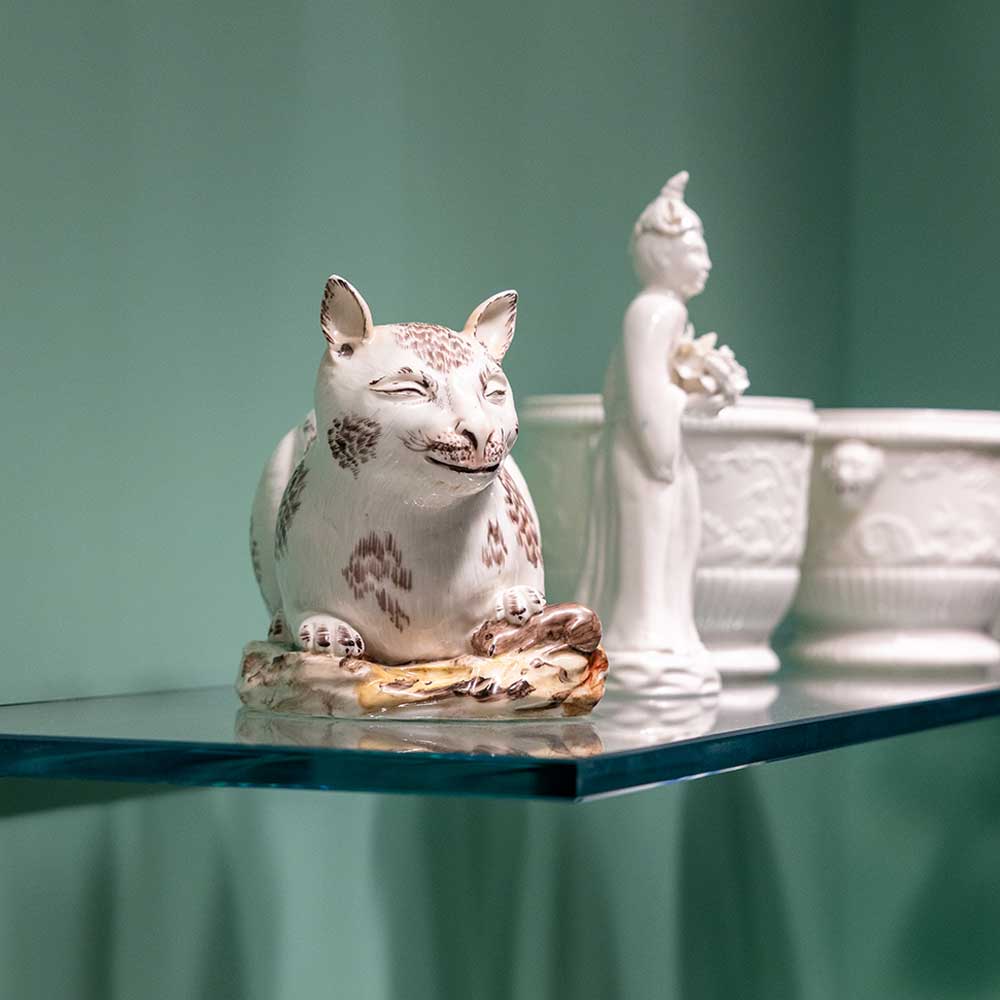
393 528
645 530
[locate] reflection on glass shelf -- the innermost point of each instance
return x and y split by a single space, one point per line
617 726
544 740
204 737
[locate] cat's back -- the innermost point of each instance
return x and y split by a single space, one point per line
274 478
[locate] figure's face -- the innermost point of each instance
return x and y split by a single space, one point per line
425 410
679 263
692 263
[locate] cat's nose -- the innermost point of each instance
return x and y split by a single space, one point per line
469 435
475 429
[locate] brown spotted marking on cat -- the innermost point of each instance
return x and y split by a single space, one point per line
495 550
352 440
309 430
521 518
375 559
255 555
291 500
495 449
435 345
390 606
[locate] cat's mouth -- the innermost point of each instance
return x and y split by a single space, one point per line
480 470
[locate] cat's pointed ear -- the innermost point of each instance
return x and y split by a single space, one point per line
492 323
344 315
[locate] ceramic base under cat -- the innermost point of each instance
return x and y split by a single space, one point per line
551 667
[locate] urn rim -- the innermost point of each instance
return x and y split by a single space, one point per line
900 425
764 414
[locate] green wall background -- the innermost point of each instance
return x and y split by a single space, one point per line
925 219
178 181
183 177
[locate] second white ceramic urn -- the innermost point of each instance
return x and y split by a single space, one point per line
902 565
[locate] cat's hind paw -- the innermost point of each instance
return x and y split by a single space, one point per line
516 605
326 634
278 630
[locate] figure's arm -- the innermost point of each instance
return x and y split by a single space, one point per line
655 404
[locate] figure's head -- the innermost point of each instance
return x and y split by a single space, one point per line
421 407
668 243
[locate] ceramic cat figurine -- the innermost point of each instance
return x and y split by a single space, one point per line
393 522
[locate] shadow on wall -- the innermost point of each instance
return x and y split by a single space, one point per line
734 924
684 891
133 898
500 899
675 892
943 821
20 796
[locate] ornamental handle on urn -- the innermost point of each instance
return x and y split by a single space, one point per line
854 468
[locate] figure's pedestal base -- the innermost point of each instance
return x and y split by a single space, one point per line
651 674
898 649
525 684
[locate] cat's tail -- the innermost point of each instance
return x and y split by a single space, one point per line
267 499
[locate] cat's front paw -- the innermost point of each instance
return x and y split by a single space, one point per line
326 634
516 605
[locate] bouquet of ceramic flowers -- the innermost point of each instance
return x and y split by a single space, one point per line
710 375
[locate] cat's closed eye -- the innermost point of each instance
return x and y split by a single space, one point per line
405 384
495 387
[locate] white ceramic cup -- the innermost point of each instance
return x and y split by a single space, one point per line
902 565
753 464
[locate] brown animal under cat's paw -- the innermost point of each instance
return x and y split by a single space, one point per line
571 625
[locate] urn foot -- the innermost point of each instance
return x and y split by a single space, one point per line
743 659
898 649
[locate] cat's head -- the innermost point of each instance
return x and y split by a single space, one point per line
414 404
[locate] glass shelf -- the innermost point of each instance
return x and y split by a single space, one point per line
203 737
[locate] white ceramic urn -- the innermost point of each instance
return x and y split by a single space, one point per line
753 463
902 565
556 452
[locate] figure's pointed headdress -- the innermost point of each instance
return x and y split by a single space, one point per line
669 214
